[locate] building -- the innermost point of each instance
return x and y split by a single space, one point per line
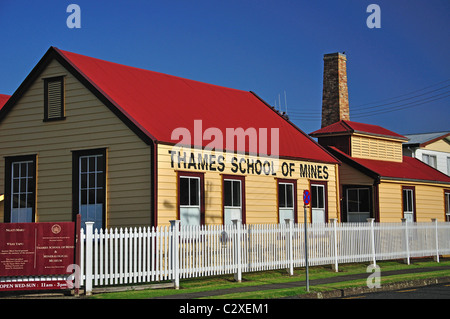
430 148
124 146
376 180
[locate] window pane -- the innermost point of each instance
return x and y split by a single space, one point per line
100 164
321 197
227 188
281 195
16 183
83 181
289 196
83 164
23 185
195 191
83 197
15 169
184 191
352 200
30 186
364 200
236 193
30 200
23 200
314 190
407 200
100 195
91 164
91 198
91 180
23 169
15 201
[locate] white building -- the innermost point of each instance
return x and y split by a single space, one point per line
431 148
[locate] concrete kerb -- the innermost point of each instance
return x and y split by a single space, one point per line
347 292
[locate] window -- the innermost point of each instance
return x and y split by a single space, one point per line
448 166
190 198
54 98
409 203
358 201
20 189
233 198
90 186
318 202
447 205
429 159
287 200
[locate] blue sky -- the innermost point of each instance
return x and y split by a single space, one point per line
398 75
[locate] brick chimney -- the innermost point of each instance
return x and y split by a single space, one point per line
335 91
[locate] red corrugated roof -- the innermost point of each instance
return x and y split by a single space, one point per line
410 169
355 127
159 103
3 99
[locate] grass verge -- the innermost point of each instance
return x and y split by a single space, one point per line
280 276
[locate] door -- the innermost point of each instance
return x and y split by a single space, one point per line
189 199
232 205
358 202
286 201
409 203
318 203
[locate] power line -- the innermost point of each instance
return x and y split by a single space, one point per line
412 92
381 108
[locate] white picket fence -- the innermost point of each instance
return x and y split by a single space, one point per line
142 255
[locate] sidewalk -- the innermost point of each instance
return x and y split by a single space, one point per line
329 294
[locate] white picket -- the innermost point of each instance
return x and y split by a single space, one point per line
138 255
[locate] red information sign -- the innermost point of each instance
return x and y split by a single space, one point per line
28 249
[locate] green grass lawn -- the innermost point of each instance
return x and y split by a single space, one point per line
281 276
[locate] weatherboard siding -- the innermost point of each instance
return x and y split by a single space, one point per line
429 201
261 196
88 125
376 148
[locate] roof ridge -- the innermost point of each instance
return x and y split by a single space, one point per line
147 70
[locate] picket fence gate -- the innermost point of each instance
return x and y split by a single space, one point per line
148 254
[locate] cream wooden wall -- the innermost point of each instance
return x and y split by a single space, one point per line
376 148
429 201
88 124
260 191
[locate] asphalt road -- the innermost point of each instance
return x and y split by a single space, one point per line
439 291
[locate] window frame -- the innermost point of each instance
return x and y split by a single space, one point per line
8 181
243 206
447 205
323 184
76 181
345 207
200 176
427 157
411 189
62 106
295 202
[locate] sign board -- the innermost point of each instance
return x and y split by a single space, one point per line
306 197
35 285
30 249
